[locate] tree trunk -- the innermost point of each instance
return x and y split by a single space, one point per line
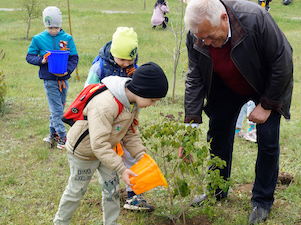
76 69
28 27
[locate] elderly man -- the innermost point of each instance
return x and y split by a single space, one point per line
236 53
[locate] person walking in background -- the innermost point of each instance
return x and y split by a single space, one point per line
119 57
107 127
246 109
158 17
55 85
232 59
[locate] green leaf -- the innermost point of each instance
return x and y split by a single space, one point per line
169 158
186 139
184 188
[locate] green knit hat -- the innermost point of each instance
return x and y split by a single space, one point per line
124 43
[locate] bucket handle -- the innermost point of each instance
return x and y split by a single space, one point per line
46 55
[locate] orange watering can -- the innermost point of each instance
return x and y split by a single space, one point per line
149 175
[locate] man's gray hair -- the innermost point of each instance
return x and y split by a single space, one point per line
199 10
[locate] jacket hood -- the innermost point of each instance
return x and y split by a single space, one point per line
117 86
104 52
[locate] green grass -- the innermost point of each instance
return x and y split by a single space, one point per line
33 177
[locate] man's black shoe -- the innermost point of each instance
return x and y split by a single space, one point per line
258 215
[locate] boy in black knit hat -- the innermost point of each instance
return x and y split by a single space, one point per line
107 127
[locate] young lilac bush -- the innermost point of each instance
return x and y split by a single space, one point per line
185 179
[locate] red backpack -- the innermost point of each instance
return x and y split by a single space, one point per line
75 110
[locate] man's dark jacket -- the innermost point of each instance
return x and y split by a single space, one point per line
261 53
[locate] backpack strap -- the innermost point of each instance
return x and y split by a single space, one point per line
80 139
120 106
101 67
103 88
96 59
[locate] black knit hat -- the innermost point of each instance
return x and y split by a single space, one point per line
149 81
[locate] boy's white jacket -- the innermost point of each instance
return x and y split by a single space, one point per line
106 129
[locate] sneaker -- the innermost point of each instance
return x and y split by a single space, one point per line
199 200
251 136
286 2
61 143
51 138
267 8
137 202
258 215
241 134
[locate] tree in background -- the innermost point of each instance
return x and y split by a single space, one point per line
179 32
30 9
3 87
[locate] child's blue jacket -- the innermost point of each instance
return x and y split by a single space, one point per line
43 42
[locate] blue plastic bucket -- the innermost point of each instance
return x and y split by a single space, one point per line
58 61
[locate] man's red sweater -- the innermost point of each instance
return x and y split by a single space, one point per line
227 71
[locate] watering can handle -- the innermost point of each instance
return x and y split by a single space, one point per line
47 54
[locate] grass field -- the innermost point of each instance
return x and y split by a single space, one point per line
33 177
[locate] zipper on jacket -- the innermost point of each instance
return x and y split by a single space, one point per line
53 42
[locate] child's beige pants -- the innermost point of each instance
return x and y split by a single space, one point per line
81 172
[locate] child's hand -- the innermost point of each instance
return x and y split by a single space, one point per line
126 176
45 60
60 75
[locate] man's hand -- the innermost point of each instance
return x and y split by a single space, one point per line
187 158
126 176
259 115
